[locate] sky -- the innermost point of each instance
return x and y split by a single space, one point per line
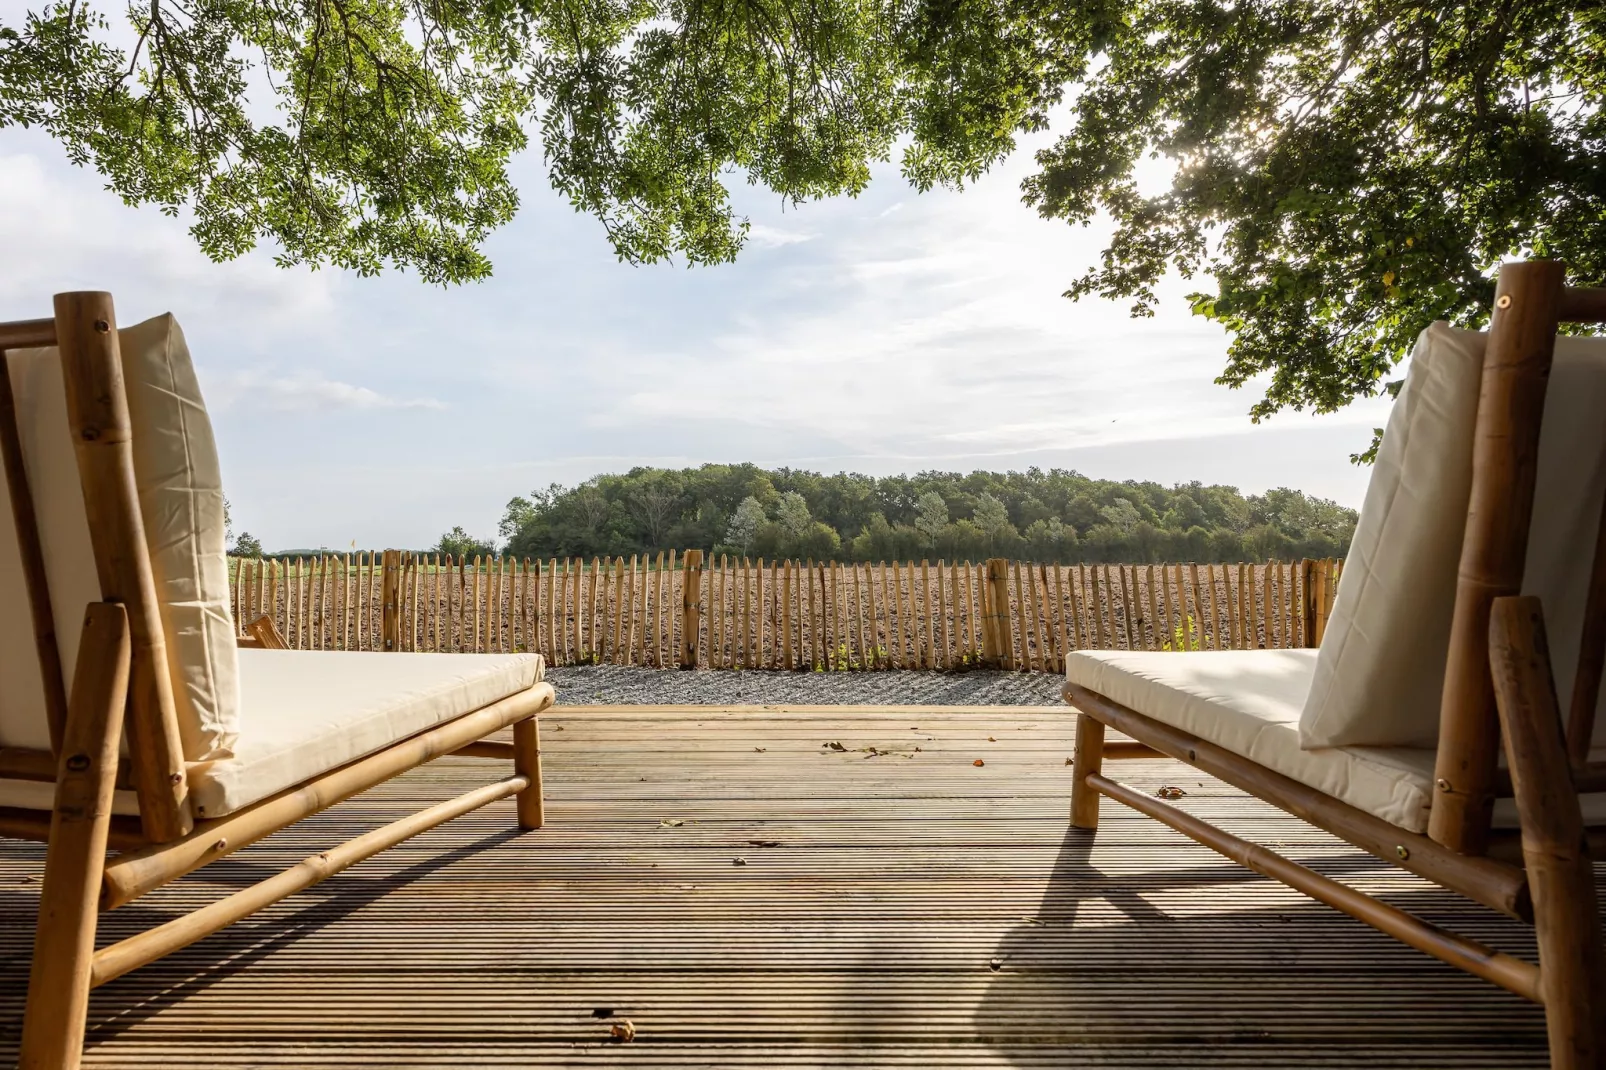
895 332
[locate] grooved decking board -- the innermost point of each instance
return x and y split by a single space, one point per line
902 908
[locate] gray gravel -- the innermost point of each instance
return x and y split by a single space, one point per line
607 685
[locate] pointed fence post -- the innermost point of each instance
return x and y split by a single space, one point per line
996 635
390 620
691 606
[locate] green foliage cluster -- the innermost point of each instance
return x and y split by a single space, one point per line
1345 171
460 545
1055 516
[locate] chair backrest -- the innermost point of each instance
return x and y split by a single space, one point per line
1531 301
1486 483
113 483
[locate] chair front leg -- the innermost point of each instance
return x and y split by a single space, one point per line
1088 759
1572 963
527 762
69 897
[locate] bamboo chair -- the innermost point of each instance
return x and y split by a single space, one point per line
1497 686
98 759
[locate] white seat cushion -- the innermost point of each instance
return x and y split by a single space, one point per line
181 501
1249 702
306 712
1381 671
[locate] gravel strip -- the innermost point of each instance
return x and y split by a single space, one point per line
609 685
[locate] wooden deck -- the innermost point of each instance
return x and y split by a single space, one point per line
747 896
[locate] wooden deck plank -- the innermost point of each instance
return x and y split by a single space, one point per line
904 909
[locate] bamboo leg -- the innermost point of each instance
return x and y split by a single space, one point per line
1572 963
527 763
69 898
1088 760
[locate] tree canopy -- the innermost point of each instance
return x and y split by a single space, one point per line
1047 516
1345 171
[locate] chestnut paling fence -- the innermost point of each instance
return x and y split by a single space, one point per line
686 610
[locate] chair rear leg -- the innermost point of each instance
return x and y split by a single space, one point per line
527 762
69 897
1088 759
1572 964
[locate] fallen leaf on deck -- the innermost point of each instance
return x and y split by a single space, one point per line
671 823
996 965
622 1032
1170 792
765 843
978 762
759 749
833 745
992 739
1029 920
738 861
1070 761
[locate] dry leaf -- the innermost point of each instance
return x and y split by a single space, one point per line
738 861
671 823
978 762
622 1032
765 843
1170 792
992 739
833 745
1070 761
759 749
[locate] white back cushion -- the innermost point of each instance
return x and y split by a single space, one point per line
181 501
1380 671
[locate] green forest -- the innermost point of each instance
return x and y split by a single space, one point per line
1051 516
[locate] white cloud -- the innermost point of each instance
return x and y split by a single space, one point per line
304 393
760 236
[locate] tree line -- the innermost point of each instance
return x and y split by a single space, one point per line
1051 516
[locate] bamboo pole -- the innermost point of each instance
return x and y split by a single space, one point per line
114 961
1510 973
64 942
1572 962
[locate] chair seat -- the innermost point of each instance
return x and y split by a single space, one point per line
1249 702
305 712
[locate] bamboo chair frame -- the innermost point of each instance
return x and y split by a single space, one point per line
121 689
1498 687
